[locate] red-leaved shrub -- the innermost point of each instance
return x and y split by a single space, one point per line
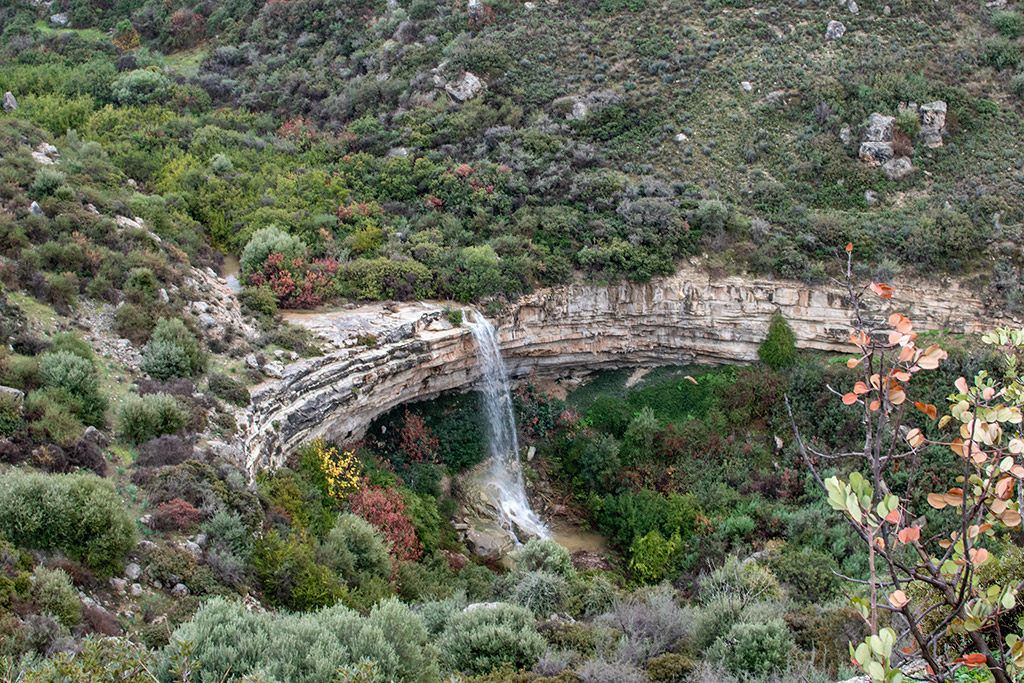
175 515
385 509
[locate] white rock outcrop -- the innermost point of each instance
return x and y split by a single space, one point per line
685 318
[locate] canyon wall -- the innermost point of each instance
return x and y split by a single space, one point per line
380 356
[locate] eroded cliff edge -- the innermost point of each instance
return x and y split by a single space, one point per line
688 317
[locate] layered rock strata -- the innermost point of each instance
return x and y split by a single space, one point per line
382 356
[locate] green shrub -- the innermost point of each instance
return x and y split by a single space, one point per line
1017 84
68 371
305 648
778 350
133 322
651 557
355 550
80 515
141 418
484 639
1002 53
46 182
172 351
543 556
267 241
142 86
714 621
52 412
229 389
744 582
541 592
807 574
758 649
260 300
164 360
670 668
1009 23
289 575
53 592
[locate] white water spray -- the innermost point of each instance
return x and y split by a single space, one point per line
505 482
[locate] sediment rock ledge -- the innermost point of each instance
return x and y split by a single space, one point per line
382 355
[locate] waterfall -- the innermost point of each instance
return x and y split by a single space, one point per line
506 473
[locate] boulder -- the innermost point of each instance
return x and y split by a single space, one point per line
877 146
835 30
180 590
35 209
60 19
274 370
747 86
933 122
133 571
118 585
898 168
852 6
15 396
136 590
10 102
465 88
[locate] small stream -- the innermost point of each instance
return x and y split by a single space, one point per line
231 271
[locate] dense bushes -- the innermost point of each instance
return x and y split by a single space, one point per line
481 640
778 350
80 515
306 648
141 418
172 351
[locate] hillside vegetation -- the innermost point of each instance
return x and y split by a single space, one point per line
372 150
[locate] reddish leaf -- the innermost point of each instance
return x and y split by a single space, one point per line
910 533
850 398
928 409
849 247
881 289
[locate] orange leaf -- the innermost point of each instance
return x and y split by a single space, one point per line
961 385
850 398
897 396
928 362
915 438
860 388
910 533
906 353
853 362
881 289
978 556
898 599
928 409
893 517
849 247
874 406
1004 487
1011 518
973 660
937 500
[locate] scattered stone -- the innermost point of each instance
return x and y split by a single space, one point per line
465 88
846 135
145 546
192 548
870 197
835 30
119 585
128 223
681 137
274 370
401 152
747 86
10 102
489 541
200 306
996 4
483 605
136 590
207 321
530 453
252 362
201 540
95 436
530 5
60 19
898 169
133 571
887 10
579 111
852 6
157 584
16 396
163 296
145 520
35 209
180 590
877 146
933 122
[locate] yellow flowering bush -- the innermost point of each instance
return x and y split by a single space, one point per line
342 471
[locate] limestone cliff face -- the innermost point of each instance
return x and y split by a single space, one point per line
688 317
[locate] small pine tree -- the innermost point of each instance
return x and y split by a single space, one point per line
778 350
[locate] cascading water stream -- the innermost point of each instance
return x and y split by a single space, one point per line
505 482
